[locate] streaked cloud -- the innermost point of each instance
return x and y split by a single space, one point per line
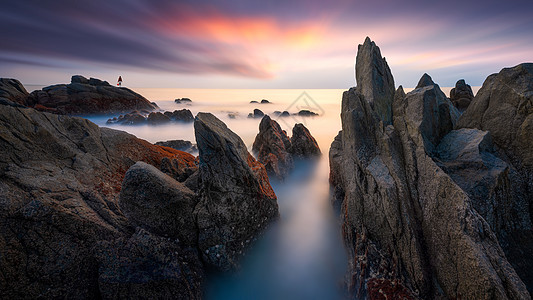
263 44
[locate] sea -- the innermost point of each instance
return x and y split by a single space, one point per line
301 256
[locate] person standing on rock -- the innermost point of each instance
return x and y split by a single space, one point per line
119 82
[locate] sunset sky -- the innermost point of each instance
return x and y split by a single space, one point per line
259 44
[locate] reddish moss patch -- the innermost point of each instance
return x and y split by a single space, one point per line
259 170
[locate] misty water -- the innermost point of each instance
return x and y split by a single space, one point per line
301 255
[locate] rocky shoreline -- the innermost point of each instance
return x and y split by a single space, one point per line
430 206
435 194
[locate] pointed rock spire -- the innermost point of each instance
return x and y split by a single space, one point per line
374 79
425 81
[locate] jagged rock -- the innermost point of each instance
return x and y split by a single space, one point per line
503 107
11 90
307 113
157 118
461 95
87 96
418 226
374 79
424 81
429 112
60 179
236 199
181 145
303 144
276 151
271 147
158 203
145 266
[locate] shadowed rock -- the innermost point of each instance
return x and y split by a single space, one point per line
276 151
12 91
87 96
236 199
303 144
157 118
461 95
404 219
181 145
158 203
503 107
374 79
271 147
60 179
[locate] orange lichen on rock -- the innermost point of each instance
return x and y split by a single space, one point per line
260 171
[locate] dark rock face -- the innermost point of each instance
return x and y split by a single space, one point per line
503 107
276 151
307 113
407 223
60 179
461 95
182 115
145 266
87 96
264 101
157 118
424 81
11 90
236 199
181 145
158 203
271 147
374 79
303 144
256 114
183 100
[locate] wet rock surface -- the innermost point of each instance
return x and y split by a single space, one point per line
236 201
410 228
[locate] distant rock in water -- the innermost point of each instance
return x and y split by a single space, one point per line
264 101
424 81
87 96
272 146
256 114
303 144
407 219
152 118
183 100
461 95
12 92
253 102
236 199
157 118
307 113
276 151
374 79
181 145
